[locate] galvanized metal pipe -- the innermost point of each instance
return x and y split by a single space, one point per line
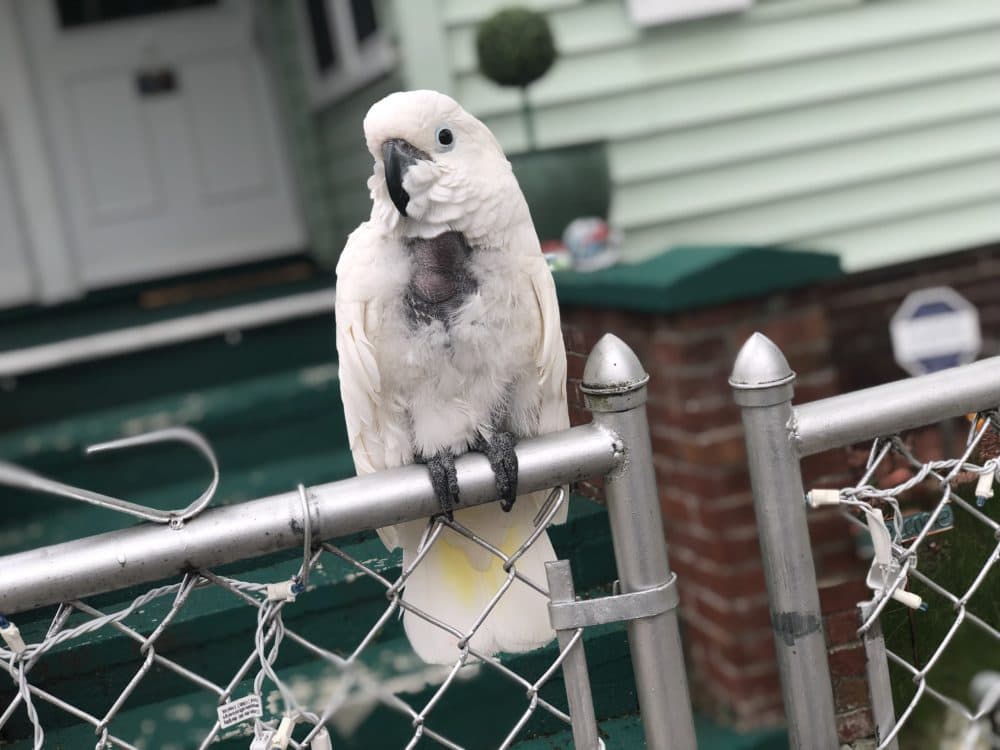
614 385
574 666
894 407
128 557
879 684
204 325
762 385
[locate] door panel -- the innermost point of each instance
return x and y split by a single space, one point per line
115 153
229 159
15 277
165 140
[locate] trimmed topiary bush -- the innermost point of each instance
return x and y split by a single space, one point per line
515 48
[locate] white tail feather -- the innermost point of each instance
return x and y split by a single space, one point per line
458 579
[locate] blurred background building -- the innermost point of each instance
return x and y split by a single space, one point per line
792 166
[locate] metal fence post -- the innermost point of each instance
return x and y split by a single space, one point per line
879 685
574 666
614 385
762 385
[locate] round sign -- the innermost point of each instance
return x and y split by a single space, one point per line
934 329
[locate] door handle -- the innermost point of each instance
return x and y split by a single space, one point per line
156 81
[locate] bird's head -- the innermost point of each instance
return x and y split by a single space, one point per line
437 168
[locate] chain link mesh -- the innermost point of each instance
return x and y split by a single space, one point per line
943 591
294 724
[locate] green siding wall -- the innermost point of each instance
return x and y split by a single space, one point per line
867 128
331 161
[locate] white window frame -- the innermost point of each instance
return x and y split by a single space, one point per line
358 63
656 12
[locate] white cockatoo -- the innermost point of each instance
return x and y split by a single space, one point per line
449 340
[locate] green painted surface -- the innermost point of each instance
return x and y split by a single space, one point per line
625 733
866 129
272 428
690 277
331 161
563 184
953 561
719 128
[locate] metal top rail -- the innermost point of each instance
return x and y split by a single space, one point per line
614 445
128 557
895 407
18 362
761 377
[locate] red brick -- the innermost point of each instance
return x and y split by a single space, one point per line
838 560
847 661
668 349
678 386
574 339
855 725
822 464
574 365
728 515
841 627
741 684
816 387
755 616
731 584
843 595
789 329
693 415
727 450
828 526
707 483
850 693
676 511
578 415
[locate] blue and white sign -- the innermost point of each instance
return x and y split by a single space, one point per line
935 329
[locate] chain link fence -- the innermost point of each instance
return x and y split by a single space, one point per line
934 611
297 725
259 703
932 624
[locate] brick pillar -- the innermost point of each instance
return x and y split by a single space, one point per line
704 487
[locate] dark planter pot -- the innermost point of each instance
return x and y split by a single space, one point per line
562 184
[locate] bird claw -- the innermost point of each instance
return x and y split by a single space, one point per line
441 467
499 450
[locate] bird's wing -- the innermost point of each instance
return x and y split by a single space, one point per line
371 428
360 383
550 357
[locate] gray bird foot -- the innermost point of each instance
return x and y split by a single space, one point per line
499 450
441 467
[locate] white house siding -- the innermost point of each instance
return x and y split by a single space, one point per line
871 128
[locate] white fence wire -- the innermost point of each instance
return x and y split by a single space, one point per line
614 445
912 570
957 577
296 725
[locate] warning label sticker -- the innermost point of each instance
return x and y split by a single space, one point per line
247 707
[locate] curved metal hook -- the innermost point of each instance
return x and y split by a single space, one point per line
13 475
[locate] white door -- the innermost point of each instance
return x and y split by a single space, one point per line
16 284
163 134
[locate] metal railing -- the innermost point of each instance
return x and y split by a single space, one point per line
778 436
614 445
120 341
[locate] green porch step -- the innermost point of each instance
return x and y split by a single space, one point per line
212 634
625 733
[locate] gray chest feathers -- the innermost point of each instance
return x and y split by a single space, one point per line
441 278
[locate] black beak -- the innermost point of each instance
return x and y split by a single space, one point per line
397 156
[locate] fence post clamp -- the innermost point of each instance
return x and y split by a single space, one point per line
586 613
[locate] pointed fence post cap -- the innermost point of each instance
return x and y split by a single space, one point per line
613 376
761 367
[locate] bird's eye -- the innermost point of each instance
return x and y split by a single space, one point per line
445 138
